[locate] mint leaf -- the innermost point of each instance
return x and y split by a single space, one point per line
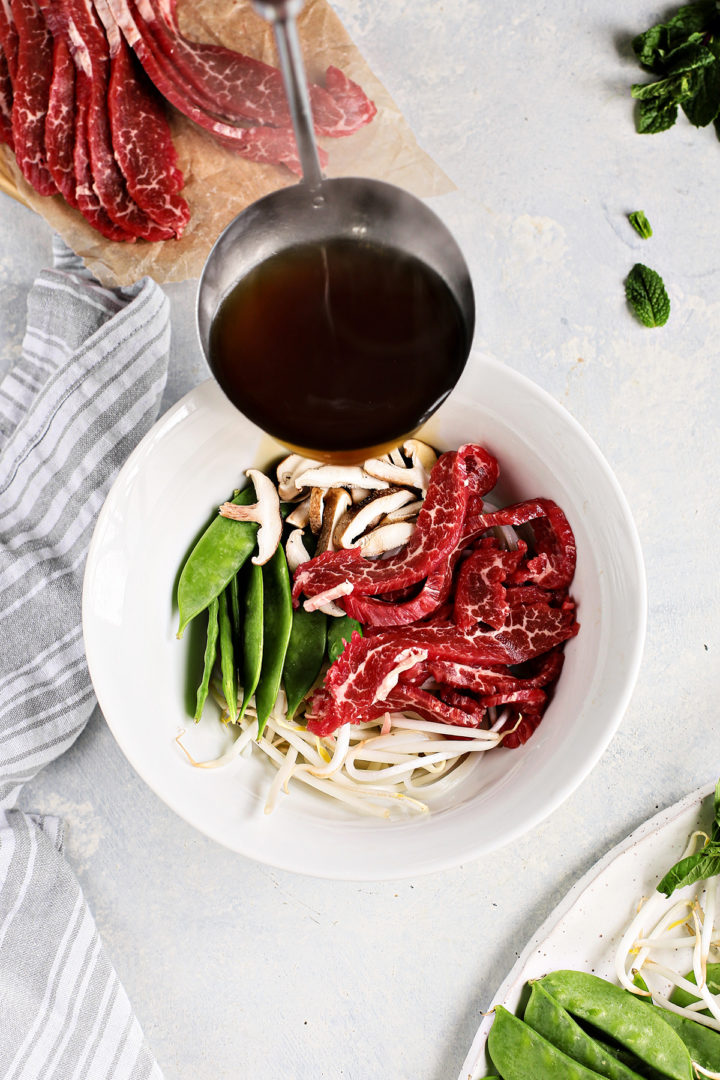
640 224
647 296
702 108
653 116
688 57
674 90
650 46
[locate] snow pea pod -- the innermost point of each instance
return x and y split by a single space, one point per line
682 997
703 1043
227 656
252 635
216 558
210 653
277 623
304 656
339 631
619 1014
519 1053
549 1019
234 596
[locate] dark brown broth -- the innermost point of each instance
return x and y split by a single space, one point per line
338 347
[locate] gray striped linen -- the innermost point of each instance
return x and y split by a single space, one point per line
86 389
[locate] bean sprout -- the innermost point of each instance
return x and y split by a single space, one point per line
360 765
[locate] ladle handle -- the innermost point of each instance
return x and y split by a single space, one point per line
281 14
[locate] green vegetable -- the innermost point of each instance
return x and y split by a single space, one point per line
304 656
519 1053
703 864
210 653
252 635
620 1015
213 562
703 1043
234 591
640 224
227 656
684 997
277 623
339 631
646 295
546 1016
684 53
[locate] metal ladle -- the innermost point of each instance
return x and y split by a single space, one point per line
317 209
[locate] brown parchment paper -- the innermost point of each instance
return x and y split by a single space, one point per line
218 183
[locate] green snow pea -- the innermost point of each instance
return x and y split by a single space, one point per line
549 1019
234 591
227 656
619 1014
339 632
213 562
304 656
277 623
703 1043
210 653
519 1053
252 634
685 998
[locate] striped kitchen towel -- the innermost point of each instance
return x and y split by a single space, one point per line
86 389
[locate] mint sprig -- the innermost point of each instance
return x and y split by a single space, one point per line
684 53
647 296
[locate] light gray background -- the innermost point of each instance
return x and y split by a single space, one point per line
237 970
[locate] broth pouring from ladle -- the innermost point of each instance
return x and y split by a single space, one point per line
336 314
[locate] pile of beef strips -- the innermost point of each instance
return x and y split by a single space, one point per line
83 92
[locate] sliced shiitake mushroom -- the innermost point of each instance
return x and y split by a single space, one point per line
300 516
386 538
404 513
266 512
417 475
287 470
315 509
358 519
335 503
295 550
332 476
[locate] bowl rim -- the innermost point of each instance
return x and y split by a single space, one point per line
297 863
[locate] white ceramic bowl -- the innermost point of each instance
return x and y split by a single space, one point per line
187 464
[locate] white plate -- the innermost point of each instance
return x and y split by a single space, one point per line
186 465
586 926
